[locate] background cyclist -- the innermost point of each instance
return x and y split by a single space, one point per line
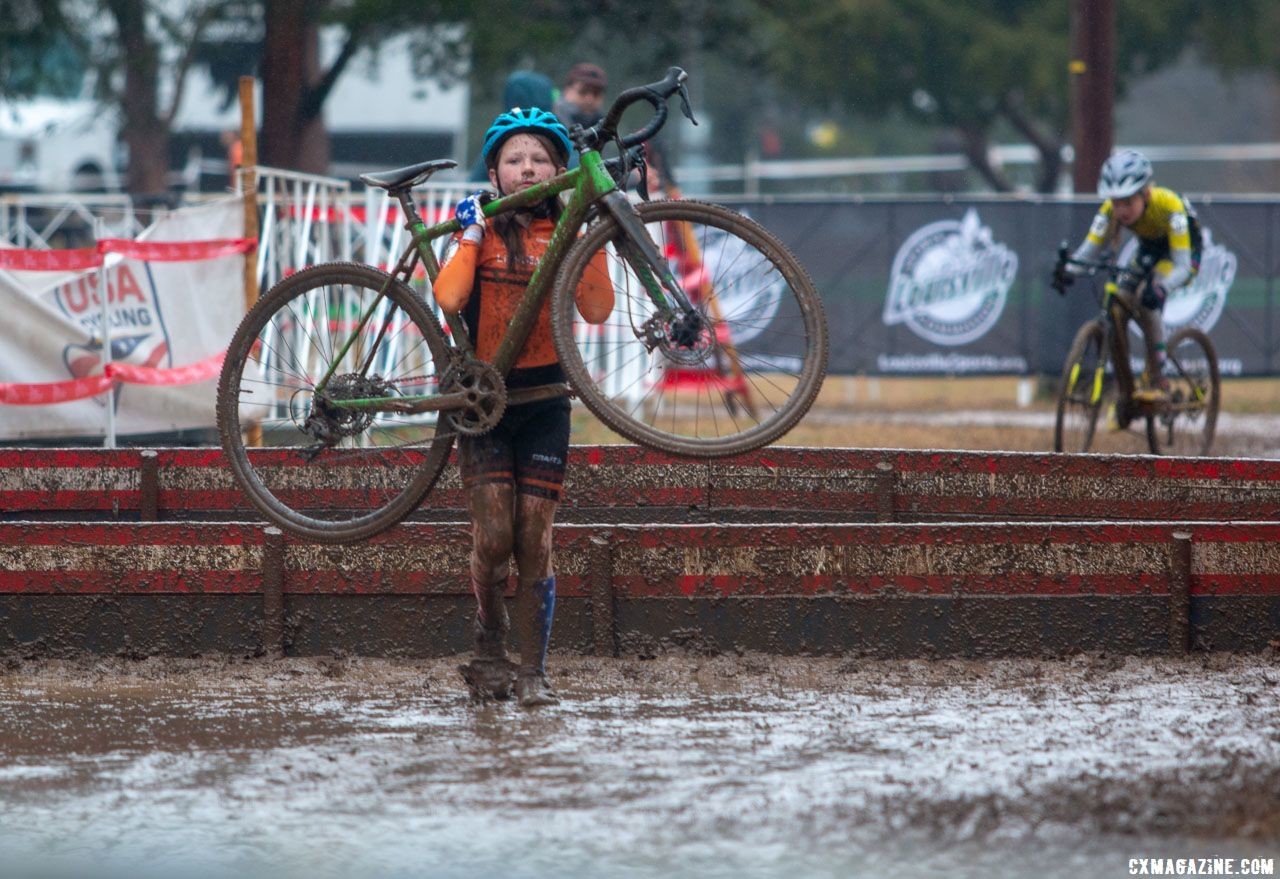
1168 238
513 474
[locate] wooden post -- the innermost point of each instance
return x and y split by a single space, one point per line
885 489
1180 593
1092 72
249 191
273 593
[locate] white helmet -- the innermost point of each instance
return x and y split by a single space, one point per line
1124 174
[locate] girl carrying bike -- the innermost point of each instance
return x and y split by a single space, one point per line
513 474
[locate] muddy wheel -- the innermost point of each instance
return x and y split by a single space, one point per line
1084 389
748 377
328 472
1187 428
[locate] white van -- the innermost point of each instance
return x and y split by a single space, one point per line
57 145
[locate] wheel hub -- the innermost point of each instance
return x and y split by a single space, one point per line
329 422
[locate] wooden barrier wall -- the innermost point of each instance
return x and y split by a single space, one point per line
922 589
627 484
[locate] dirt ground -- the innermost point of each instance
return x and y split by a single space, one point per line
754 766
984 413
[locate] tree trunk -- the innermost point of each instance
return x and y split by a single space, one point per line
975 146
145 134
292 137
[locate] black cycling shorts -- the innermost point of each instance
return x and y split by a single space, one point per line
527 449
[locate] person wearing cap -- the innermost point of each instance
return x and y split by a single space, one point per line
513 475
523 88
582 97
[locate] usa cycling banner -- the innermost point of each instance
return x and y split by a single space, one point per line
935 286
173 298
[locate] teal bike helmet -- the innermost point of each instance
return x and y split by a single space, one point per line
525 120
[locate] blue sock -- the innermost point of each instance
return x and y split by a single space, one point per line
545 592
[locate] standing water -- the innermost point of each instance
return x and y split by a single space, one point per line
754 766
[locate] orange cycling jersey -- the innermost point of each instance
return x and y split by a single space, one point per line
479 280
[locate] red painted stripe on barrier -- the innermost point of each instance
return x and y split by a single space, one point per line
1012 584
137 583
158 534
713 537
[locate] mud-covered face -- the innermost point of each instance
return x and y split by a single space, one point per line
1127 210
523 161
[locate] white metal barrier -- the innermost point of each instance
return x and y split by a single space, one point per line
47 221
307 219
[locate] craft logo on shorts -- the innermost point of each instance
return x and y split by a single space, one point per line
137 328
950 281
1200 303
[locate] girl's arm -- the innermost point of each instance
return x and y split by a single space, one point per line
594 295
453 285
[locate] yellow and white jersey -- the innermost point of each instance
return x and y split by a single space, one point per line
1165 230
1166 218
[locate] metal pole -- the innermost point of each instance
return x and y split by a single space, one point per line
104 302
249 191
1092 70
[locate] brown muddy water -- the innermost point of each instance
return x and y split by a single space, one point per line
754 766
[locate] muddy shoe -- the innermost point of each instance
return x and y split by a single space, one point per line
489 678
533 690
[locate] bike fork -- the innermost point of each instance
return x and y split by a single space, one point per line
636 237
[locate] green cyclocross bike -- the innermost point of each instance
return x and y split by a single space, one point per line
357 392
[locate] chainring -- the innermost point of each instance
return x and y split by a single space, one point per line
486 396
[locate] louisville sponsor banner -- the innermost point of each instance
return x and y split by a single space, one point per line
174 296
961 285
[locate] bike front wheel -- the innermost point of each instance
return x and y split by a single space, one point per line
1085 388
325 471
754 368
1187 426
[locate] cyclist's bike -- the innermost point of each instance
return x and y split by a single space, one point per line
1098 380
358 392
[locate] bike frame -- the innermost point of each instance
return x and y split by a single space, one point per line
590 183
1115 315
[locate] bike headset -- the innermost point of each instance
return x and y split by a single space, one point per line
525 120
1124 174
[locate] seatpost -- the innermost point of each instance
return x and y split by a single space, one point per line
411 218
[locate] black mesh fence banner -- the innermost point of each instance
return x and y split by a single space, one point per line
956 286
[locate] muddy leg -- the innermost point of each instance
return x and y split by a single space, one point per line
535 598
490 674
1153 329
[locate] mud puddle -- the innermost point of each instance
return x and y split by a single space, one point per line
681 766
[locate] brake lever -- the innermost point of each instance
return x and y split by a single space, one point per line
642 185
684 103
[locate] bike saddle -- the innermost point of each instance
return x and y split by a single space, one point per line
407 178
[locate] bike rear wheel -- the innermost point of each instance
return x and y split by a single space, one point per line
753 371
1188 426
374 467
1082 392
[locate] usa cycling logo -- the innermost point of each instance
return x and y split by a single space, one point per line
138 333
1200 303
950 281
